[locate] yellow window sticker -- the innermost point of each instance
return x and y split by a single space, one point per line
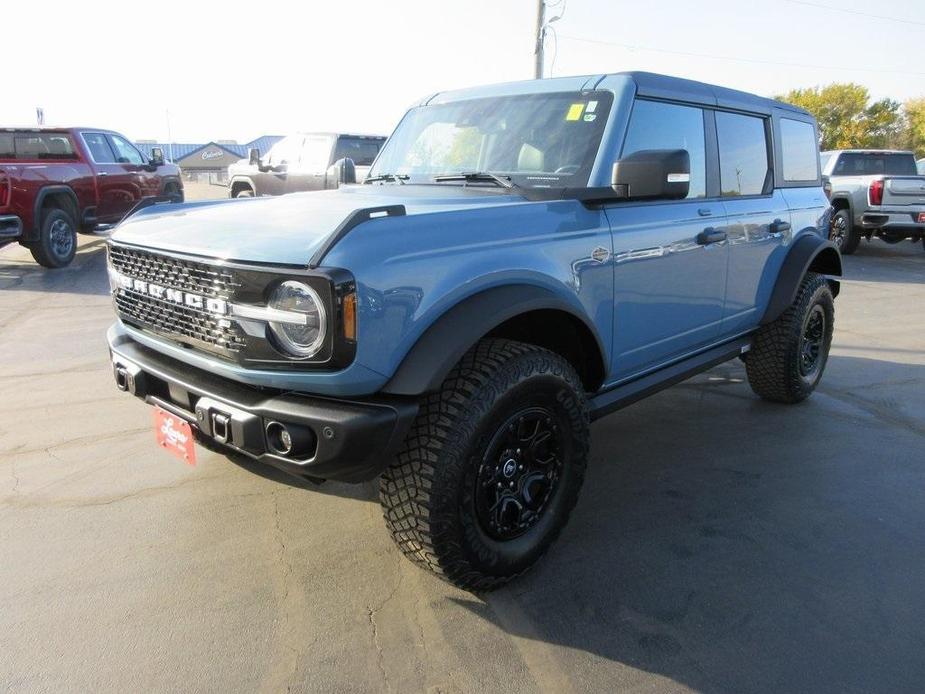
575 111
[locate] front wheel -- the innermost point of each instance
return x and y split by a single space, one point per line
492 466
244 193
788 356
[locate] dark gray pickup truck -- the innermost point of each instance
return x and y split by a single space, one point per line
875 193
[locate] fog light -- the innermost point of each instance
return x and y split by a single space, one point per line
290 441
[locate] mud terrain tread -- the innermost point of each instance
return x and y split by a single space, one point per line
771 364
419 520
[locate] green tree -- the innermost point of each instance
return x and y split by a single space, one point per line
914 139
847 118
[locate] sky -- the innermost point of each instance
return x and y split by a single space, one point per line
238 70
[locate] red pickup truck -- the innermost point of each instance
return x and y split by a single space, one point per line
55 182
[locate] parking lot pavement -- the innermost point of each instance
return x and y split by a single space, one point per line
721 544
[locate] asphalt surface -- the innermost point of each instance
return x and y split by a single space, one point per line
721 544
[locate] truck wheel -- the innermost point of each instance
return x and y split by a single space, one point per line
57 240
492 466
244 193
788 356
843 234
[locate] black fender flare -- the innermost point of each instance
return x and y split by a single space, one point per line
40 201
443 344
810 252
839 197
168 180
242 179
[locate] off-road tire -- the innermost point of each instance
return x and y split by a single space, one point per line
244 193
774 361
429 494
56 243
843 233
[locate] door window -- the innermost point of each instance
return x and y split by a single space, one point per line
655 125
286 151
125 152
316 150
743 154
99 148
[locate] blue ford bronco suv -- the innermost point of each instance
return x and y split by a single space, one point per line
521 259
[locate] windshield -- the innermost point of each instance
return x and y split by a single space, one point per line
538 140
874 163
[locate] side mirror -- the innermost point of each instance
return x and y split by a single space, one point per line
653 173
253 156
342 171
827 186
157 156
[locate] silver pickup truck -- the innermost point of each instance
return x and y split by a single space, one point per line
874 193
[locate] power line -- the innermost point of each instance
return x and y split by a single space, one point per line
855 12
736 59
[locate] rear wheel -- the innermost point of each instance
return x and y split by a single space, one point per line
244 193
788 356
56 244
492 466
843 234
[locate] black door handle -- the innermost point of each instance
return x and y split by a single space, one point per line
779 226
710 235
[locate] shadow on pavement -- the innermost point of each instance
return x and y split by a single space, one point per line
85 275
734 545
876 261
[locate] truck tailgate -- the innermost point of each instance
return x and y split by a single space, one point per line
909 190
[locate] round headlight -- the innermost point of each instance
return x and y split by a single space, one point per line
301 334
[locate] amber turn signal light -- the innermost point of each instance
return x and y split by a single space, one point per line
350 316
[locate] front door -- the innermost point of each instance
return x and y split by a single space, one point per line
669 257
117 186
310 170
669 281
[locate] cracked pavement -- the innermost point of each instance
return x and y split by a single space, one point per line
721 544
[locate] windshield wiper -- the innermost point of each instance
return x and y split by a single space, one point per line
388 178
477 176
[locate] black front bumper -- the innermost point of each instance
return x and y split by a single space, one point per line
344 440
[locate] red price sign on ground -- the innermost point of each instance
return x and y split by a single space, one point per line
174 434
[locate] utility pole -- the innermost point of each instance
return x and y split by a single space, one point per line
169 138
540 39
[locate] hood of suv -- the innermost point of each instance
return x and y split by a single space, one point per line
287 229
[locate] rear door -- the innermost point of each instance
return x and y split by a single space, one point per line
311 165
758 217
118 186
669 281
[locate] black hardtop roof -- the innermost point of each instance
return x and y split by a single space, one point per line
680 89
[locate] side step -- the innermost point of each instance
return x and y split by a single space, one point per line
627 393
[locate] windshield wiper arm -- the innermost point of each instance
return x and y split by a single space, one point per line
475 176
388 178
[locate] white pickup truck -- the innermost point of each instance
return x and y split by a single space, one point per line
874 193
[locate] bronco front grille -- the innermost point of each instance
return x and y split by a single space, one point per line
168 318
186 275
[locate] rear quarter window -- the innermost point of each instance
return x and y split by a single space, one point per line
30 146
799 150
